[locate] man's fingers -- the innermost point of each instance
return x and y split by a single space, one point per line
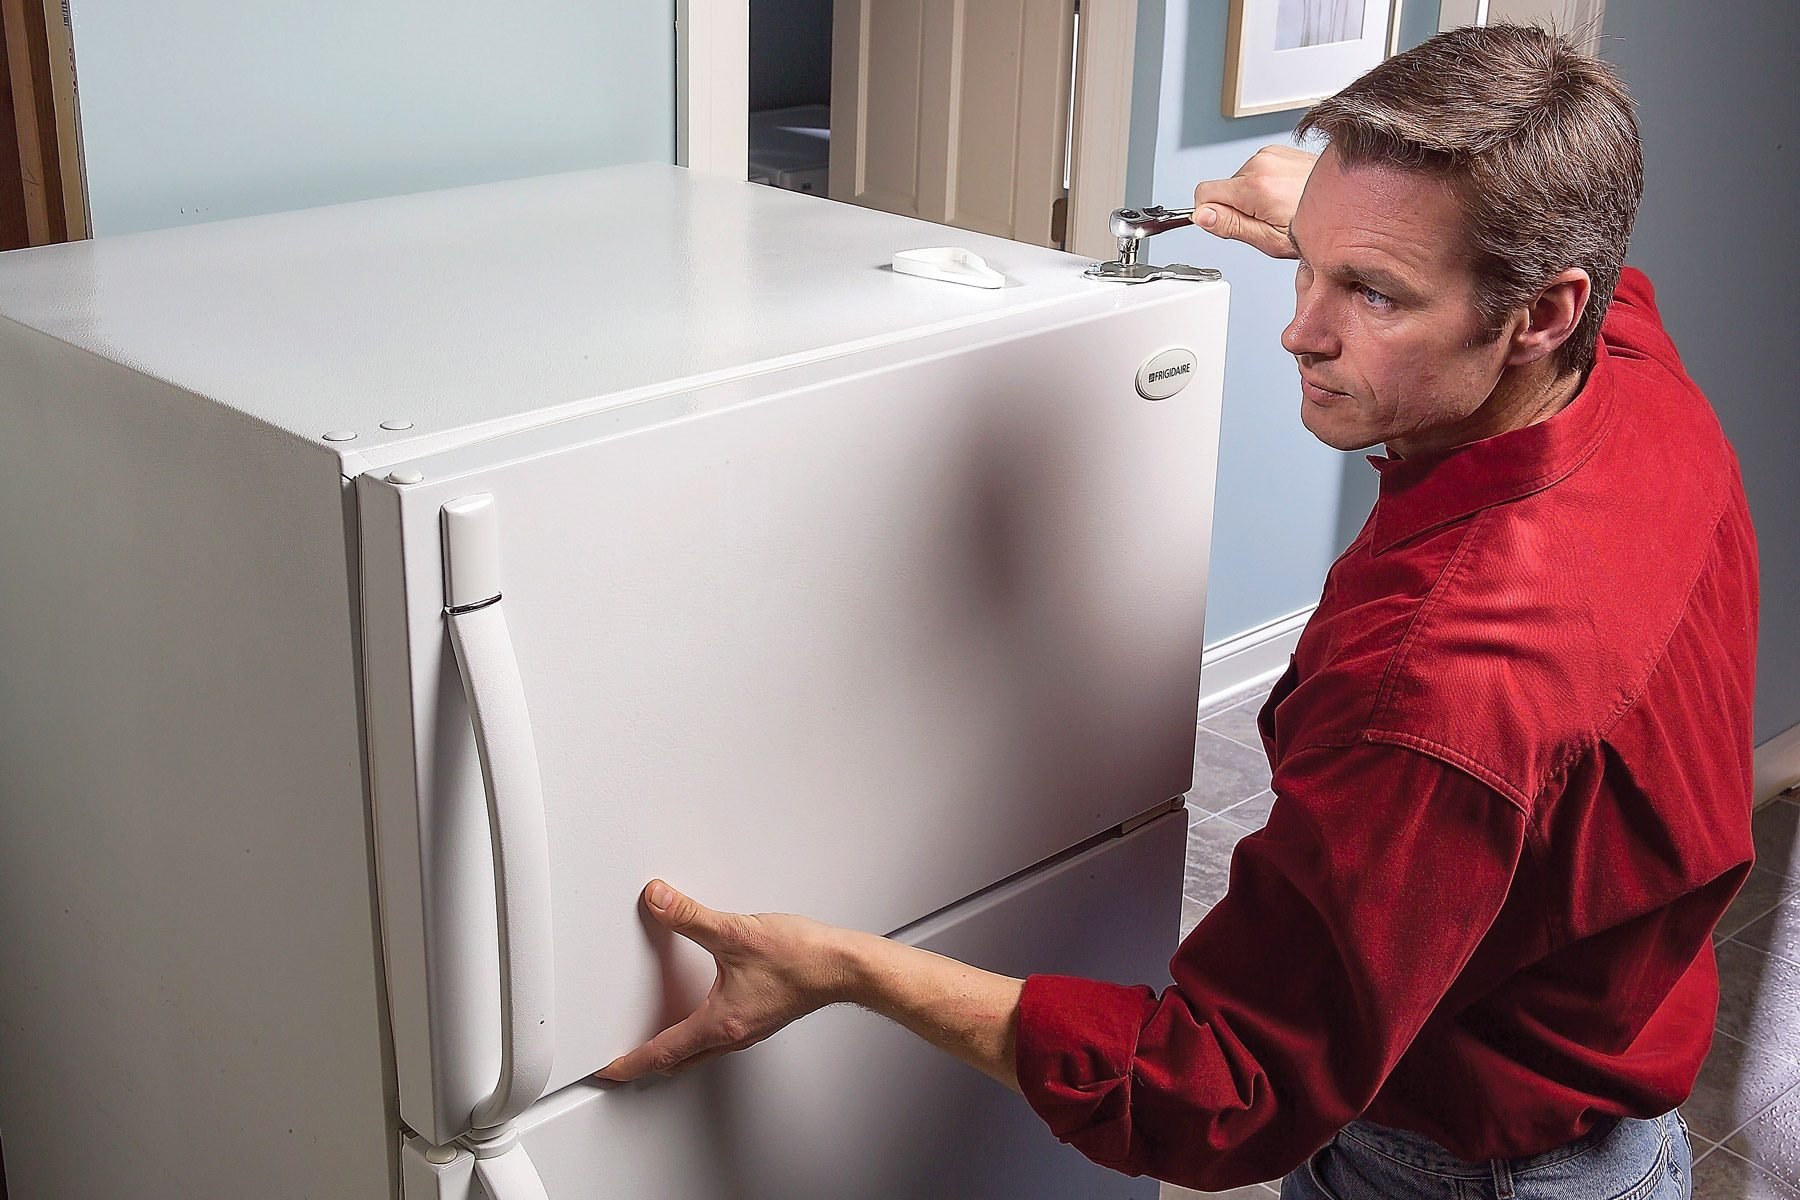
1235 192
1222 220
685 915
703 1036
666 1051
1255 205
705 1056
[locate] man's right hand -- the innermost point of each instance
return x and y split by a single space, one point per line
1256 205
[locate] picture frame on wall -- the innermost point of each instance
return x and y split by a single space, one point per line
1283 54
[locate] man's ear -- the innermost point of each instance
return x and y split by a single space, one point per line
1551 318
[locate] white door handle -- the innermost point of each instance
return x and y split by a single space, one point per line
506 1172
515 806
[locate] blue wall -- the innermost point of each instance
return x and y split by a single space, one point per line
1716 103
193 110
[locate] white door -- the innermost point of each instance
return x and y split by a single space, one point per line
856 647
845 1106
953 111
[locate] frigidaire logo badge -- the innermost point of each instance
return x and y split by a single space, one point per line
1162 375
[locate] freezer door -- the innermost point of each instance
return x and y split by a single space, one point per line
856 643
846 1106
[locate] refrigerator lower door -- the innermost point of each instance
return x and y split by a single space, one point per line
855 638
842 1105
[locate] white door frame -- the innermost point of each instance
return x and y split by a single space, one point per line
712 126
1101 141
712 86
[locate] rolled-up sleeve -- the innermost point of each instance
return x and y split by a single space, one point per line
1347 918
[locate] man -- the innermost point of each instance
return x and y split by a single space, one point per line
1470 952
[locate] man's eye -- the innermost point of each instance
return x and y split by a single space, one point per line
1374 297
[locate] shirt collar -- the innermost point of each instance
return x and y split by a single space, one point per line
1418 494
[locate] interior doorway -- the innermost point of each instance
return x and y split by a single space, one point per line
790 94
1011 117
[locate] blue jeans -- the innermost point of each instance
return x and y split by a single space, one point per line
1634 1160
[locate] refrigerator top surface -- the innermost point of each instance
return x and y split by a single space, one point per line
420 322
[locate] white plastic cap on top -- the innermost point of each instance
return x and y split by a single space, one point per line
471 551
952 264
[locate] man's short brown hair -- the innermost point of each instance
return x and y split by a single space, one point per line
1539 143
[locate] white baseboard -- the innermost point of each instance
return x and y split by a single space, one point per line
1777 765
1253 659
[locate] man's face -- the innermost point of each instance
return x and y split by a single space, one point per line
1385 328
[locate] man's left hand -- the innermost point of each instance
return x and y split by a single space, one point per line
773 969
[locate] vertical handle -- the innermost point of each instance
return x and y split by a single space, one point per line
515 805
506 1172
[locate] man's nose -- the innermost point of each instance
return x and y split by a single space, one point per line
1309 334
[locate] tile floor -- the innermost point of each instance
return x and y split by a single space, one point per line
1744 1115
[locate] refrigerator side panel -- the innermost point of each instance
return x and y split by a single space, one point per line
845 1105
190 1000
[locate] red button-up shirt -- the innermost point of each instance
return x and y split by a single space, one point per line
1512 768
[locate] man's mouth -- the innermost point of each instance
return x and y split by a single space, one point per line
1319 394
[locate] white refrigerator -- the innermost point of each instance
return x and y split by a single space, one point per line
387 591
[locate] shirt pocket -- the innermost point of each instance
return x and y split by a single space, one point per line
1265 718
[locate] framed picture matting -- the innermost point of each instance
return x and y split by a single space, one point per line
1282 54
